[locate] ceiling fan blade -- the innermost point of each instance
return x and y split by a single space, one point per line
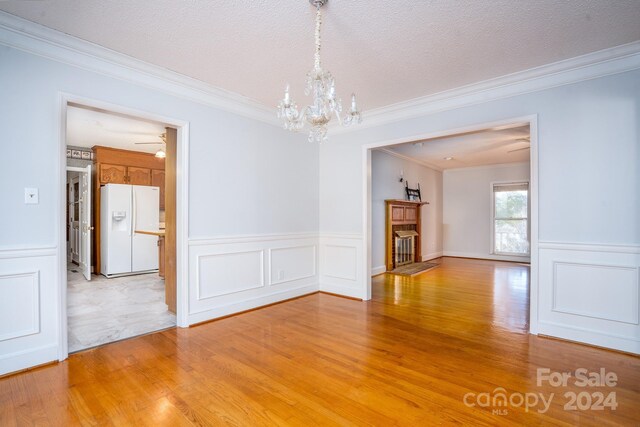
519 149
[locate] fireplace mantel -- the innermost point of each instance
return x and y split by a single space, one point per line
402 215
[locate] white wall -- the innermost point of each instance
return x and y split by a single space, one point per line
589 187
385 184
467 218
253 196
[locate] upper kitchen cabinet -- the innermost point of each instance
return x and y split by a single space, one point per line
157 180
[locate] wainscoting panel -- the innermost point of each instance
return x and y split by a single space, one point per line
233 274
28 326
341 258
227 273
20 296
591 293
291 264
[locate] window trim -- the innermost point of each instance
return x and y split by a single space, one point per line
492 219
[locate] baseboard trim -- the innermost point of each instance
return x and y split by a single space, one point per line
590 337
340 296
217 313
490 257
433 255
340 290
375 271
28 359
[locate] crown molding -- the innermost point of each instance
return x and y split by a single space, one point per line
601 63
39 40
409 159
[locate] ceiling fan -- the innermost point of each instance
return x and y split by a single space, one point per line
163 137
525 140
160 153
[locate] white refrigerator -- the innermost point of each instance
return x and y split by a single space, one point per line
123 210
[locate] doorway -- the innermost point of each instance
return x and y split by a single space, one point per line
494 251
121 263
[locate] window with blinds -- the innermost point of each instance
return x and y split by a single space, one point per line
511 218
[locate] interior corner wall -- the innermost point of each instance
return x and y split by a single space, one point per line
588 196
252 200
385 184
467 195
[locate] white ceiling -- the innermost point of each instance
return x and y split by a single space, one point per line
385 51
86 128
487 147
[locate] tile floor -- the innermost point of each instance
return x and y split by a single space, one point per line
105 310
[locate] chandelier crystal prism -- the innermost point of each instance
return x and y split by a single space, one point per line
326 104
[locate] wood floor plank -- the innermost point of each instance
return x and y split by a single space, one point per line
407 357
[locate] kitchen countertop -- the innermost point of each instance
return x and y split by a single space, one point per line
159 233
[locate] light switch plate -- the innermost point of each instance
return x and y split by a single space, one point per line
31 196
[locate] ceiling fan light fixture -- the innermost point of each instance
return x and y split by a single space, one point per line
448 158
161 154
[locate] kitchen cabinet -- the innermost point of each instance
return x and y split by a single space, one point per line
157 180
139 176
113 174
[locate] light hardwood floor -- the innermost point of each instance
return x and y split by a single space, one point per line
407 357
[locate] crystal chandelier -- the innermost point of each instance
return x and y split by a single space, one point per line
325 104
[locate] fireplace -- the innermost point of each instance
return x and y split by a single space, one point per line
402 233
405 247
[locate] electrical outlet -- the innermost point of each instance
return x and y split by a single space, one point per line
280 274
31 196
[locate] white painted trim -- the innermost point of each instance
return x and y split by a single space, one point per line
76 169
593 65
410 159
27 358
433 255
182 207
532 121
351 236
343 290
39 40
248 304
591 247
378 270
247 238
589 336
475 255
28 252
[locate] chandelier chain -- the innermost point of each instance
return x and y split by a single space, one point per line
318 65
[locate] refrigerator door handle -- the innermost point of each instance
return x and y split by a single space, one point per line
133 209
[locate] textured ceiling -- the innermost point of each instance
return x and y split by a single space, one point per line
487 147
86 128
385 51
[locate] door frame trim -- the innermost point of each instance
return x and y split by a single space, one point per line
532 121
182 206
